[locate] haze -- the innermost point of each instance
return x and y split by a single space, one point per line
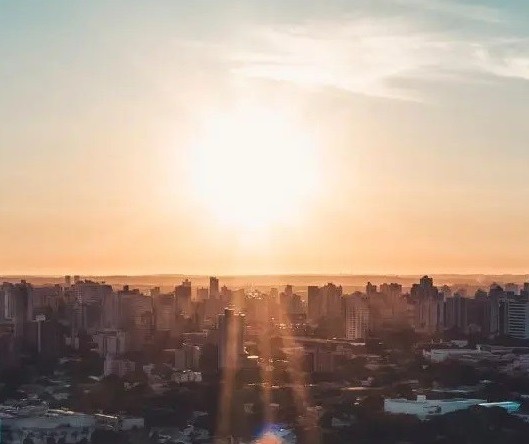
362 137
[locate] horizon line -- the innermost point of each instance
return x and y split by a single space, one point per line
242 275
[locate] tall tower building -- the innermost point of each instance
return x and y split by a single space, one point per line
332 296
371 290
17 306
183 298
456 312
517 318
231 326
493 316
94 303
429 303
213 287
165 312
314 303
356 317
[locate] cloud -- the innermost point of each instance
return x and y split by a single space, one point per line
504 58
358 56
370 55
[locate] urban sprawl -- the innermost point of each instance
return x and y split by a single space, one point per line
83 361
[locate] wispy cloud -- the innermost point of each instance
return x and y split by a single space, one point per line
504 58
369 55
358 56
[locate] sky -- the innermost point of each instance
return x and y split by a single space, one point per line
261 137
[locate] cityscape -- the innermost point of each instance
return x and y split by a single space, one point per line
264 222
83 361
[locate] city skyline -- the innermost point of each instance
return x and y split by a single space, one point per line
264 221
280 137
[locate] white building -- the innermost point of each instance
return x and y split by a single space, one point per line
442 354
39 424
356 317
423 408
119 423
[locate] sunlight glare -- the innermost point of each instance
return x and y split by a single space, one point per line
254 168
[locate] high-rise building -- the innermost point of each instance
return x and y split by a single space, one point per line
43 300
214 288
212 308
429 316
371 289
475 312
17 306
296 305
512 288
395 303
87 292
392 289
284 302
226 295
332 297
94 303
67 280
183 298
202 294
518 318
426 282
456 313
356 316
231 326
315 303
111 310
446 291
8 350
136 316
165 312
495 300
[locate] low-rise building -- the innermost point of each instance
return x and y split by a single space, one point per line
440 355
424 408
186 376
119 423
119 367
29 422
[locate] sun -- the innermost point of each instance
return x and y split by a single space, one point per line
253 168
